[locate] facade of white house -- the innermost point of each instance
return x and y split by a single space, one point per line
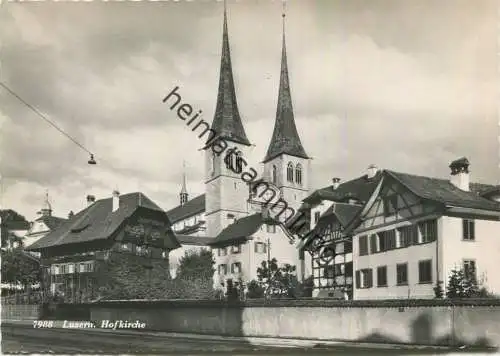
415 230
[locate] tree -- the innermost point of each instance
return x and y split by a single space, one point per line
194 279
277 281
18 267
196 264
11 220
255 290
459 286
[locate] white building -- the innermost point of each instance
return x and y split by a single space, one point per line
415 230
231 217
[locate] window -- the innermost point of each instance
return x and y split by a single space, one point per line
126 247
387 240
289 172
86 267
390 205
402 274
71 268
317 214
469 232
260 247
275 175
428 230
408 235
55 269
271 228
222 251
373 243
363 245
364 278
382 276
236 249
222 270
236 267
470 270
164 254
298 174
425 271
142 250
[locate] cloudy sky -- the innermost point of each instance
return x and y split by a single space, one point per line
407 85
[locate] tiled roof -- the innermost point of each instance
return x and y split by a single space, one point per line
241 229
483 189
345 213
52 222
98 221
285 139
194 240
227 122
360 188
443 191
192 207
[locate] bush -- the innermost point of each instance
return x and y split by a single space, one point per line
255 290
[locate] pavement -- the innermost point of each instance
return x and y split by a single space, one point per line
23 337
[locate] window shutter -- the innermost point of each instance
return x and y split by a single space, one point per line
414 234
358 279
370 278
373 243
465 229
472 228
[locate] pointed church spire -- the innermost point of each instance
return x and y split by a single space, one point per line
227 122
285 139
183 194
47 208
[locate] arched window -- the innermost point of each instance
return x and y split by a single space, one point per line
298 174
289 172
275 175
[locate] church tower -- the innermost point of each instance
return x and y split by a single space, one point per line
225 192
47 207
183 194
286 163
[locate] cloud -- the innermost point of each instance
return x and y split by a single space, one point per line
388 82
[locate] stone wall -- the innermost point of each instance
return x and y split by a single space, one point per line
411 322
20 311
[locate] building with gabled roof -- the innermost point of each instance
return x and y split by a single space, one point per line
129 225
407 233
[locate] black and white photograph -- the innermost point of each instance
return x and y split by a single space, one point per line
250 177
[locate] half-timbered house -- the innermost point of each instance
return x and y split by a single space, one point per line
324 225
415 230
130 227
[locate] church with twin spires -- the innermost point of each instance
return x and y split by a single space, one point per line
229 218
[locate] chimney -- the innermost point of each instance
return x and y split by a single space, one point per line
460 173
116 200
372 171
90 199
71 214
336 183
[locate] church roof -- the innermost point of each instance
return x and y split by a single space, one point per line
191 207
285 139
99 222
227 121
241 229
194 240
